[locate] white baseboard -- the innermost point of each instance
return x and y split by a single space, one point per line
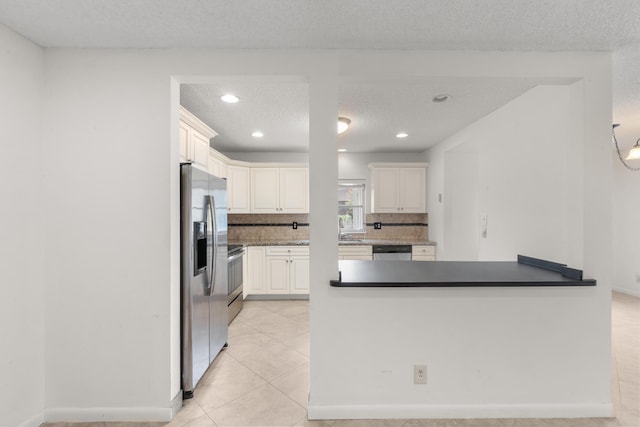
176 404
628 292
34 421
457 411
139 414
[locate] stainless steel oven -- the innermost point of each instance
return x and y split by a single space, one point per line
234 268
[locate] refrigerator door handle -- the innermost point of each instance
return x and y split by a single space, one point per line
214 252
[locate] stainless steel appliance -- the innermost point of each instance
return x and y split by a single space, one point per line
203 282
392 252
234 267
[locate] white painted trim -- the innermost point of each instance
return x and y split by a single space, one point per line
189 118
34 421
176 404
627 292
458 411
398 165
140 414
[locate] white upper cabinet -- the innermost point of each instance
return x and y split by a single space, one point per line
412 190
184 141
238 189
194 139
265 189
217 164
294 190
279 190
398 189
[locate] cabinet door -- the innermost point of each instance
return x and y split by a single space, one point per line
184 141
299 275
238 189
277 277
384 193
217 167
412 190
199 149
294 190
245 275
223 170
254 282
264 190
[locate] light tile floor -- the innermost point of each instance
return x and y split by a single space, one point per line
262 378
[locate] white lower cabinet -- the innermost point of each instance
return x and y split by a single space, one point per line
355 252
423 253
287 270
254 279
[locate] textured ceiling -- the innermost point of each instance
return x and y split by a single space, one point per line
378 111
516 25
394 24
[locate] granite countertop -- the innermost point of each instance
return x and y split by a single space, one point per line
363 242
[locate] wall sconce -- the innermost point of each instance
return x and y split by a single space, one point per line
634 153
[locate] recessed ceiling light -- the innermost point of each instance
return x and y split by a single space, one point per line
343 124
230 98
257 134
341 150
402 135
441 98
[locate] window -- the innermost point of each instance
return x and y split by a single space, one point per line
351 206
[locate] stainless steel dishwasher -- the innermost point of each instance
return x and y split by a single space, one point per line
392 252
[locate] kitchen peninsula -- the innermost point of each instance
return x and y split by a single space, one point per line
526 271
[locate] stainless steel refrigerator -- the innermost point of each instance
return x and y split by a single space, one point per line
203 255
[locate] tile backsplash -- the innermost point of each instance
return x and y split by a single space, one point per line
268 227
398 226
279 227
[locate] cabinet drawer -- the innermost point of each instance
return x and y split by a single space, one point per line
355 251
423 258
423 251
287 250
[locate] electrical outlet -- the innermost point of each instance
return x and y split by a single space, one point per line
419 374
295 225
377 226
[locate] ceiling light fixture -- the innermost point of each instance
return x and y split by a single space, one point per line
343 124
441 98
257 134
230 98
402 135
342 150
634 153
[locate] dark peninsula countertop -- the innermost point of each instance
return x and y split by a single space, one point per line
526 272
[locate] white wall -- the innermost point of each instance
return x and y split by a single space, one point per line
522 158
110 193
626 188
108 224
21 245
112 201
520 352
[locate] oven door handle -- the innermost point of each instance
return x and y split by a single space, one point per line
234 257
